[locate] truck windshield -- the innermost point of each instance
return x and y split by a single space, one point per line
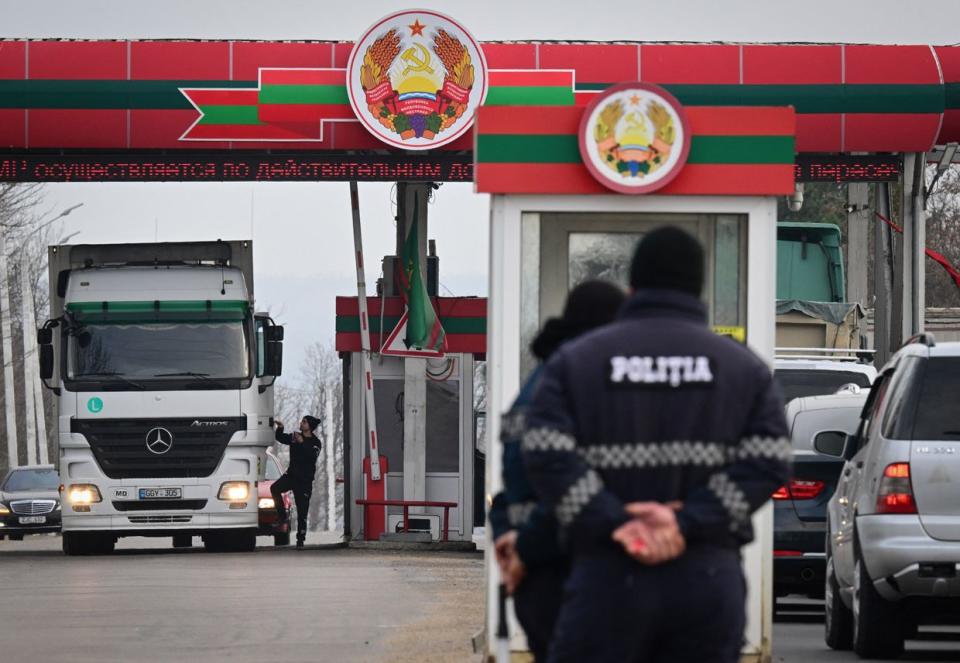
159 351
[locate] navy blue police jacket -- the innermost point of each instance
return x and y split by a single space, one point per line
656 407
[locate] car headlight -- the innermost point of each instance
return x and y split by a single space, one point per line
266 503
4 510
83 494
234 491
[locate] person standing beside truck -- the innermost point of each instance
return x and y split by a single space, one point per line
304 451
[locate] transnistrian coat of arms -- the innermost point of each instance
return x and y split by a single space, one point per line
415 79
634 137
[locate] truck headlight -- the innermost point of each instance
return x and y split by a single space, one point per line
83 494
234 491
264 503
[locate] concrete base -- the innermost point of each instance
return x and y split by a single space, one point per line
406 537
411 546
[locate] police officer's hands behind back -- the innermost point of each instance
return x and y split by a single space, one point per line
512 568
653 535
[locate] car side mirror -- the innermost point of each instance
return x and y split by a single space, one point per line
831 443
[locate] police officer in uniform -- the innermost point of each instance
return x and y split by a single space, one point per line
654 440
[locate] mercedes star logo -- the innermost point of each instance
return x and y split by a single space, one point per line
159 440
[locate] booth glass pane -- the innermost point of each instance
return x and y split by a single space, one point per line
388 399
600 255
443 433
727 309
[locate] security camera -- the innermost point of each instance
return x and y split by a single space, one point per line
795 201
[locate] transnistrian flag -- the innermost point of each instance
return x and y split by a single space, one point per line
424 330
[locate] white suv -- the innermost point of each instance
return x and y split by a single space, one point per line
893 524
810 376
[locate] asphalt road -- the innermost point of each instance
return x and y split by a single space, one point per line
148 602
798 638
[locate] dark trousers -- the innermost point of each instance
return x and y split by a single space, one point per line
688 611
536 603
301 495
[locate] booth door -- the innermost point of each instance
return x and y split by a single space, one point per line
561 250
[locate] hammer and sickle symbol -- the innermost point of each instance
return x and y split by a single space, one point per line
417 58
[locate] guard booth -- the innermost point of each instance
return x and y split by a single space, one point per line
556 224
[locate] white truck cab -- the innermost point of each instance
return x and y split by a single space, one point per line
164 381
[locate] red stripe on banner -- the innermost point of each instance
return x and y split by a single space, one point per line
455 343
225 97
890 132
341 54
256 131
690 63
303 77
12 128
950 131
249 57
304 112
801 64
746 121
698 179
818 132
163 128
531 79
446 307
78 60
13 59
78 128
594 63
510 56
583 98
528 120
180 60
890 65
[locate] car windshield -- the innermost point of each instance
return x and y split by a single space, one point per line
937 416
106 351
24 480
273 470
797 383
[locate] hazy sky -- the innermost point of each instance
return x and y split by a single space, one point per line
301 232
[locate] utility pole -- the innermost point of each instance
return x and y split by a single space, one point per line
331 459
10 409
36 425
882 277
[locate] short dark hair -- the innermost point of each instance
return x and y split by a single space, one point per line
668 258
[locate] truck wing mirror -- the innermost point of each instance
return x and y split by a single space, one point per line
831 443
274 358
274 333
46 361
44 336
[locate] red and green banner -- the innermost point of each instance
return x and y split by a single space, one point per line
464 319
733 150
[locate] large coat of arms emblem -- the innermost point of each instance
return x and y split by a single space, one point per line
634 138
416 79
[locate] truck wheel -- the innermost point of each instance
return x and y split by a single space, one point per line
243 541
214 542
838 620
87 543
182 541
281 539
876 626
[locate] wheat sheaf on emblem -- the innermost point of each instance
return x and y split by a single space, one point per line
634 139
408 91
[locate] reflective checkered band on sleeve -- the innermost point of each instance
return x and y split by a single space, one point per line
578 496
519 513
655 454
512 425
769 448
547 439
732 498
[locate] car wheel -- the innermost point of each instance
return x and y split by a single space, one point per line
281 539
876 628
838 620
182 540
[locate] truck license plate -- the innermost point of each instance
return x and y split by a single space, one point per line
161 493
32 520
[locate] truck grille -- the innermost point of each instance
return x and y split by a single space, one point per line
161 505
33 507
120 445
149 520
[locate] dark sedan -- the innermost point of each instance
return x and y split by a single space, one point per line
800 508
30 502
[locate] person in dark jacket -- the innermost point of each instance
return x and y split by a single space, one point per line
532 564
304 450
653 441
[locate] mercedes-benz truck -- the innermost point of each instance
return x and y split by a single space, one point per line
163 380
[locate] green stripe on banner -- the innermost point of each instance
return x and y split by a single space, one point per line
304 94
953 95
100 95
351 324
514 148
229 115
524 95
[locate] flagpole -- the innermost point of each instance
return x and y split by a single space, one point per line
365 336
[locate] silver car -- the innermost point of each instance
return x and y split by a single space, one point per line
893 524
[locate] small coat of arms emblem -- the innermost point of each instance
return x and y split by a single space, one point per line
634 137
415 79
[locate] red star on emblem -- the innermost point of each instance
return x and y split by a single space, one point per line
416 28
635 99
